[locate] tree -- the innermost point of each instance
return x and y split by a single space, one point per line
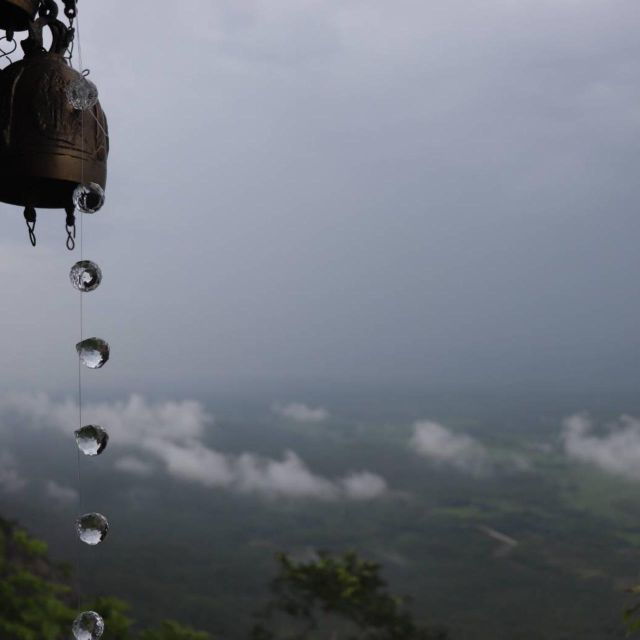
340 597
170 630
114 613
343 589
36 602
632 613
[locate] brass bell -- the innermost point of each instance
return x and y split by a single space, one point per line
47 147
15 14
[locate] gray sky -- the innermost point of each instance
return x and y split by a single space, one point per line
442 191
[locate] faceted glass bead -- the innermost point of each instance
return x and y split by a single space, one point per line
92 440
93 352
85 275
82 93
88 626
92 528
88 198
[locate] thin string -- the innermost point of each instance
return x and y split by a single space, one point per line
79 41
93 115
80 500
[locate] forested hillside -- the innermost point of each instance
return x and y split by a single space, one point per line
38 602
325 596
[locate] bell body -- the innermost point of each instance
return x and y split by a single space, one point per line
47 147
15 14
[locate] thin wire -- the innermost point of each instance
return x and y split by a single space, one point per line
79 42
93 115
80 501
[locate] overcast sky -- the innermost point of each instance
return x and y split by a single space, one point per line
438 191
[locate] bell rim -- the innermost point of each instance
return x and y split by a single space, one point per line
47 181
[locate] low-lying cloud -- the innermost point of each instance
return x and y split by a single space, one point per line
11 481
616 449
134 465
170 436
300 412
60 493
364 485
441 445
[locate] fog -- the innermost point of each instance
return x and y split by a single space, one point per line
442 193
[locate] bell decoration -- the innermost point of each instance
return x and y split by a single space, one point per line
53 132
16 14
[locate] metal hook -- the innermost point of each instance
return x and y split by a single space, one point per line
7 54
70 226
71 237
32 233
30 219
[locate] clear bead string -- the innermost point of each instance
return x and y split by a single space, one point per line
93 353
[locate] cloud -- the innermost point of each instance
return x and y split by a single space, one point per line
172 434
462 452
289 476
616 451
432 440
300 412
59 493
10 479
133 465
364 485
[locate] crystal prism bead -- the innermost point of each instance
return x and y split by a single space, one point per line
92 440
82 93
85 276
88 198
92 528
93 352
88 626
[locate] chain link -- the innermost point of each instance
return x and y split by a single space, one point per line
71 237
30 219
70 226
48 9
70 9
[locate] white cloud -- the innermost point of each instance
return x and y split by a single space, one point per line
432 440
133 465
616 451
60 493
194 462
172 434
364 485
289 476
10 479
300 412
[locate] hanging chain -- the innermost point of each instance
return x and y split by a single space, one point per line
70 226
71 12
70 9
48 9
7 54
30 219
71 237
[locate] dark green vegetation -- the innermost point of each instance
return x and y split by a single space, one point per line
37 603
336 596
204 556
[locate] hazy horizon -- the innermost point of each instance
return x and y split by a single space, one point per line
349 192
